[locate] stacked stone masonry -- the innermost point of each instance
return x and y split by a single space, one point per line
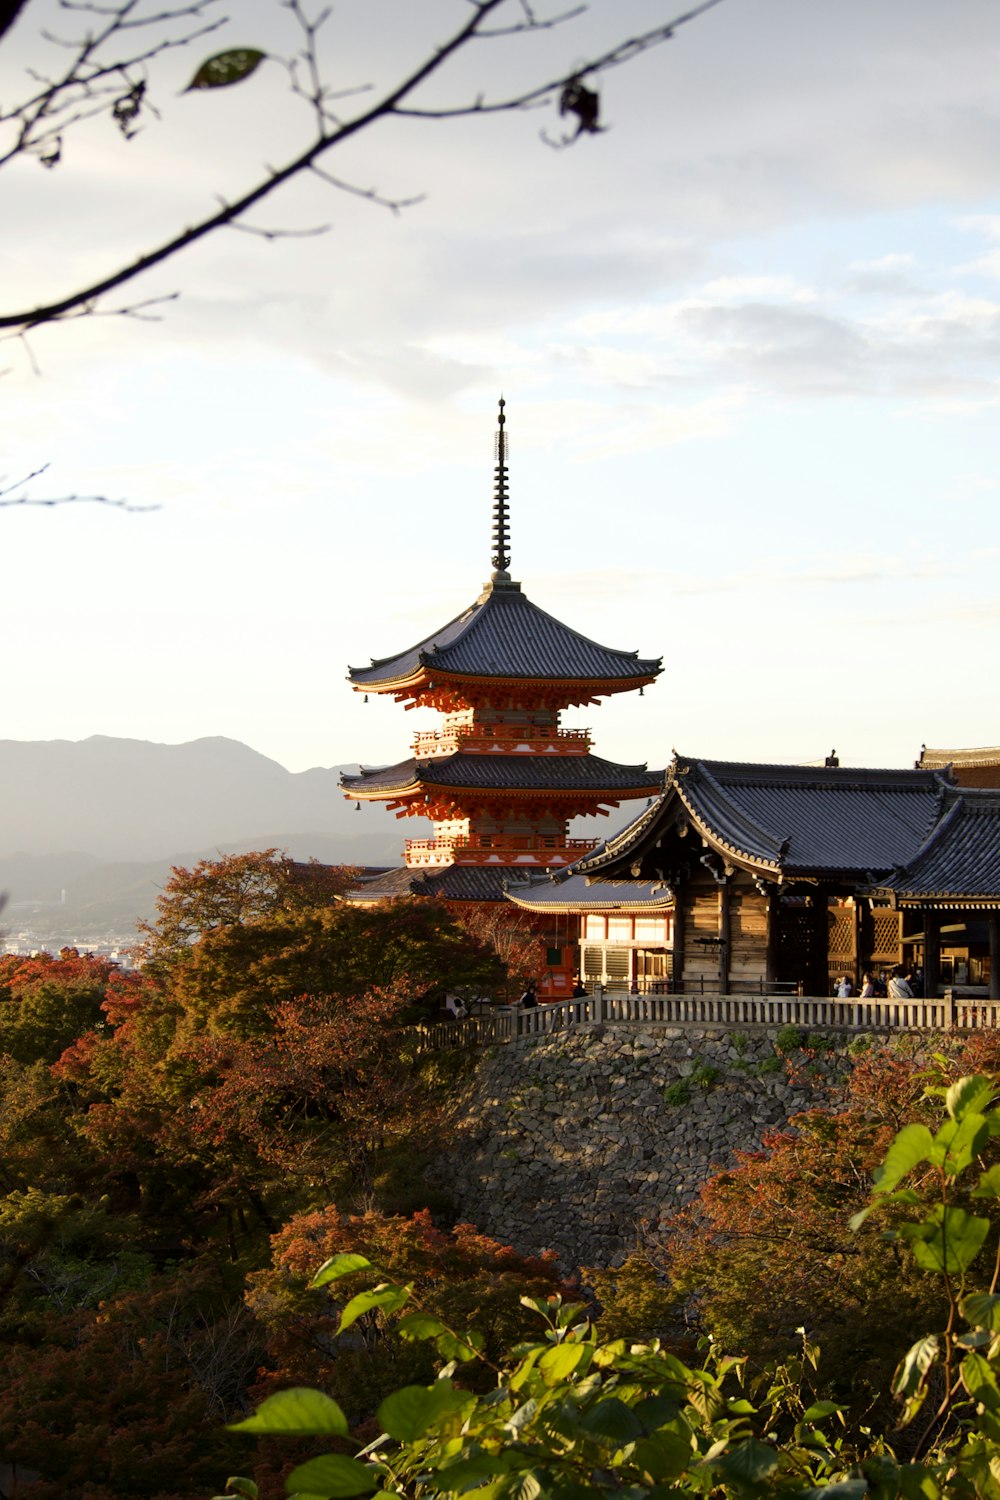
582 1142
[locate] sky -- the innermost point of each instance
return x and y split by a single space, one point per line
748 337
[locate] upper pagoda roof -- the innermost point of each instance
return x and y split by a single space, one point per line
529 773
504 635
786 821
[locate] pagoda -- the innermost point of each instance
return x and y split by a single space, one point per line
501 778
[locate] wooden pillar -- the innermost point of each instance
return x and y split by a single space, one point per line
818 978
725 936
677 968
994 955
771 952
932 953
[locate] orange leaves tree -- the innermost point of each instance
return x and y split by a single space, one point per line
767 1248
266 1053
512 935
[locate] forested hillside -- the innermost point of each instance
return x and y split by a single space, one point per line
182 1147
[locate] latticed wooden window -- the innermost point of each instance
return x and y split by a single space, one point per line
840 942
886 926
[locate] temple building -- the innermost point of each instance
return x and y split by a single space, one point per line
966 767
774 874
502 777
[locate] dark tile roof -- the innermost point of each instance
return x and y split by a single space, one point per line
576 893
790 819
504 635
507 772
959 864
454 883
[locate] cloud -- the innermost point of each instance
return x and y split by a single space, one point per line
886 275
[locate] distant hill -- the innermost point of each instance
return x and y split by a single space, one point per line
90 828
120 799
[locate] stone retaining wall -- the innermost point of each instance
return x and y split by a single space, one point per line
574 1142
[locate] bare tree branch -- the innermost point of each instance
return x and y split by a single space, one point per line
9 497
331 132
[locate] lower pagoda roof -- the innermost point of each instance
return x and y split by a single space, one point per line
453 883
505 774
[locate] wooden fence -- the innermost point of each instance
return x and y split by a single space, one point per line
949 1012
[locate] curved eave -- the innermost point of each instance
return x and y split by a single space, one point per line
464 793
427 678
938 900
544 900
756 862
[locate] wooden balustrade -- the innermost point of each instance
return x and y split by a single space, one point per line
439 741
949 1012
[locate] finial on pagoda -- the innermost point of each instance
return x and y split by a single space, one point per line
501 538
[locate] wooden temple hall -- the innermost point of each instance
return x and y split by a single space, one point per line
786 878
502 776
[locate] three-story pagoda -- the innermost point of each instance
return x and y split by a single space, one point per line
501 778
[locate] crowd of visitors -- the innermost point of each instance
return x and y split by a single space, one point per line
896 984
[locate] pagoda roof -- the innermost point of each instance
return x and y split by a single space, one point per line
959 863
504 635
453 883
786 821
526 773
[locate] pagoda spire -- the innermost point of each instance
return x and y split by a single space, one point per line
501 535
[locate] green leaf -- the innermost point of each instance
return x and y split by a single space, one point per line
461 1347
988 1185
465 1472
418 1325
333 1475
559 1363
962 1141
971 1095
298 1410
914 1365
665 1454
981 1310
915 1483
748 1463
948 1240
408 1413
388 1296
226 68
338 1266
522 1487
844 1489
912 1145
980 1382
237 1485
820 1409
612 1419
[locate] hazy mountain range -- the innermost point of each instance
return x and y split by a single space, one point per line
89 829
